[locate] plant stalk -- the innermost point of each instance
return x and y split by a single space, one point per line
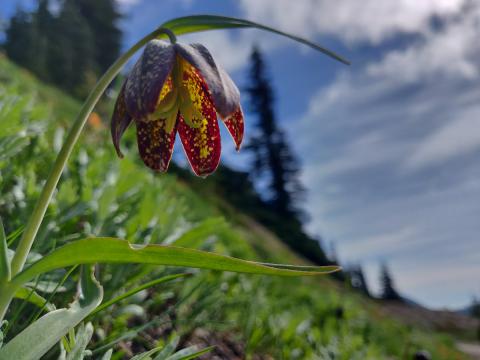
6 295
41 206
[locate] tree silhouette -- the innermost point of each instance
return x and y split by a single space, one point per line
274 163
69 49
102 18
358 280
21 37
272 155
71 59
388 291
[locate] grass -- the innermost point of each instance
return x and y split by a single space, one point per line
101 195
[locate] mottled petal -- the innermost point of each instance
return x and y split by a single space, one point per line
225 94
202 145
155 143
202 140
120 120
235 126
147 79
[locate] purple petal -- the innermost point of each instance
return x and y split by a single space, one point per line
121 119
147 78
225 94
155 143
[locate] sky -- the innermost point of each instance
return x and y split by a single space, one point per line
389 146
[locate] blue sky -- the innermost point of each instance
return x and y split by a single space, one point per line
390 146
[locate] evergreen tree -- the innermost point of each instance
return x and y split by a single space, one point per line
102 18
272 155
274 161
388 291
475 308
42 22
21 37
358 280
475 312
71 57
70 49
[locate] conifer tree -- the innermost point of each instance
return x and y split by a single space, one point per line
102 18
274 162
71 57
42 21
273 157
388 291
358 280
70 48
20 39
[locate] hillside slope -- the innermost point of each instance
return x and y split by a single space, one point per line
244 316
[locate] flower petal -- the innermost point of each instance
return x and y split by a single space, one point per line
201 141
120 120
235 126
155 143
202 145
148 77
225 94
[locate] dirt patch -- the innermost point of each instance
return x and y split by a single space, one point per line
227 347
471 349
438 320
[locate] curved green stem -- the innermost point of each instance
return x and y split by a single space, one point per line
41 206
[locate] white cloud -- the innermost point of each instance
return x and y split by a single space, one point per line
428 92
452 51
384 243
362 152
127 3
232 48
460 136
398 141
352 20
231 53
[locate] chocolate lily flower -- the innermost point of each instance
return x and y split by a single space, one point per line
175 87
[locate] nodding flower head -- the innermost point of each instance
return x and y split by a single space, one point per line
178 88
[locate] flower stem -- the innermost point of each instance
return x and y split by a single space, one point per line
41 206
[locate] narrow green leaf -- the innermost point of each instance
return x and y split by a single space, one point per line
189 353
4 262
14 235
48 286
137 290
195 236
107 355
196 23
168 349
52 294
146 355
112 250
33 342
82 338
34 298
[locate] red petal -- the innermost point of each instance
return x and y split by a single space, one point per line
155 144
235 126
202 145
202 142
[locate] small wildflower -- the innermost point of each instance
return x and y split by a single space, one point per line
178 88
